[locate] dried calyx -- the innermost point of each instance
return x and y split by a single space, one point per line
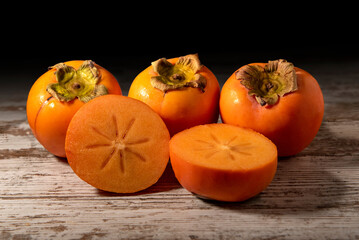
81 83
270 82
184 73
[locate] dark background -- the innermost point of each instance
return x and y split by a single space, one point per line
125 39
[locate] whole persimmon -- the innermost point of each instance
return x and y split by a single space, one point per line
283 102
57 95
181 90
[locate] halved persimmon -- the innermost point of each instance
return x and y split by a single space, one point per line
181 90
283 102
117 144
223 162
57 95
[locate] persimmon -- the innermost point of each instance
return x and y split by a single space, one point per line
117 144
223 162
283 102
57 95
181 90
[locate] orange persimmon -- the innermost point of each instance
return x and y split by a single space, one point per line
283 102
117 144
57 95
223 162
181 90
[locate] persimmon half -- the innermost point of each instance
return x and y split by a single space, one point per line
117 144
223 162
57 95
283 102
181 90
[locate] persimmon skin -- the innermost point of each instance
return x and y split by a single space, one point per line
49 118
201 163
180 109
218 184
291 123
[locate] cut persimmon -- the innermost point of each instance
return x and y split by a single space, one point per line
223 162
117 144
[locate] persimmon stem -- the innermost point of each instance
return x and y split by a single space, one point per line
81 83
268 83
180 75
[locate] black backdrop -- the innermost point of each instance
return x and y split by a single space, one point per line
122 37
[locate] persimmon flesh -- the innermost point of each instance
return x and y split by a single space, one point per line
283 102
51 104
117 144
223 162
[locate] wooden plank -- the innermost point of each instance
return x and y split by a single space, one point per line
315 194
134 218
306 191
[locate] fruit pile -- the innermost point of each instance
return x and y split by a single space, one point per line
123 144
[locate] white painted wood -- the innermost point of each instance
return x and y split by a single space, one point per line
315 195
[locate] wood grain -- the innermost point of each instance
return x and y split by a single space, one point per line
315 194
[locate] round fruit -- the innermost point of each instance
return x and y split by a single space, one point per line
181 90
223 162
283 102
57 95
117 144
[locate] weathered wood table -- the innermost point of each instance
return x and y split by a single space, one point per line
315 194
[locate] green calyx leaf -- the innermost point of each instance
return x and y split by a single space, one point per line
182 74
81 83
270 82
